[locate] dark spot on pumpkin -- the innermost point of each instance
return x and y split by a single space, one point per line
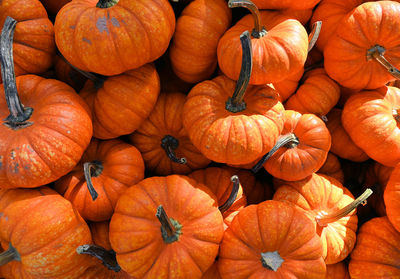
16 168
115 22
72 27
87 40
101 25
1 214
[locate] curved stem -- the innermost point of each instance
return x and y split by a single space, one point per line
107 257
377 52
169 144
18 113
324 219
236 103
92 169
259 30
170 228
104 4
11 254
313 36
289 139
232 197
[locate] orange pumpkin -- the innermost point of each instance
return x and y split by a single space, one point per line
100 234
337 271
285 4
332 168
66 73
392 197
212 272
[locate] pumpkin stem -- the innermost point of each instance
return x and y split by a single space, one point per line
170 228
396 114
92 169
271 260
236 103
104 4
324 218
169 144
11 254
377 53
289 140
313 37
18 114
107 257
232 197
259 30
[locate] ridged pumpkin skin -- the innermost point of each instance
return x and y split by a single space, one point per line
227 137
337 271
346 53
122 167
332 168
271 227
288 86
277 55
56 230
376 254
166 120
342 145
369 117
320 193
53 144
137 239
285 4
113 40
34 47
100 234
65 73
193 51
212 272
317 95
298 161
121 104
392 198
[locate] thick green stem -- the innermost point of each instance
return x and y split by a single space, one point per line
104 4
170 228
377 52
232 197
236 103
289 140
313 36
107 257
259 30
169 144
92 169
18 113
324 219
11 254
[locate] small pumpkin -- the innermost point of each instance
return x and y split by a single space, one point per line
286 4
391 197
337 271
332 168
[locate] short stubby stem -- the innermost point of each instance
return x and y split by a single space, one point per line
271 260
169 144
104 4
107 257
170 228
11 254
92 169
232 197
323 219
377 52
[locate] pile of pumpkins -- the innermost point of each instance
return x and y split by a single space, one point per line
199 139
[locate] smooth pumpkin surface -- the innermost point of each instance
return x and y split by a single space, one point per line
337 271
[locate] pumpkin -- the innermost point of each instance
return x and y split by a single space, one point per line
34 47
342 145
121 103
212 272
53 6
391 197
55 231
331 207
365 58
106 170
332 168
279 49
44 138
317 95
164 143
193 51
288 86
271 240
97 36
376 254
164 222
226 186
370 119
234 130
301 149
100 231
66 73
286 4
337 271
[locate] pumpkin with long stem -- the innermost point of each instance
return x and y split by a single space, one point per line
106 170
46 125
234 129
363 53
165 222
163 141
332 209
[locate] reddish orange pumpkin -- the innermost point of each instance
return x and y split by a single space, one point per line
337 271
100 234
271 240
212 272
392 198
288 86
332 168
285 4
65 73
97 36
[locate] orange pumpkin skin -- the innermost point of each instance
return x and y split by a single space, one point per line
288 86
342 145
193 51
212 272
392 197
337 271
332 168
318 94
319 193
100 232
376 254
369 118
232 138
65 73
101 41
218 180
166 120
300 160
346 51
285 4
279 54
56 230
136 237
121 167
33 45
271 227
53 144
121 104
